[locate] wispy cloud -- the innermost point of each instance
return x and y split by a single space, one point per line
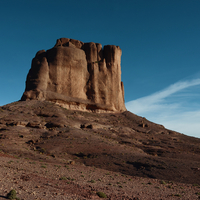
177 107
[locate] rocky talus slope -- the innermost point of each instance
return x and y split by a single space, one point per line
46 150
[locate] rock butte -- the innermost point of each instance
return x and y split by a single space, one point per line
77 75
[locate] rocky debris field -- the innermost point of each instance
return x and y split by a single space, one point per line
49 152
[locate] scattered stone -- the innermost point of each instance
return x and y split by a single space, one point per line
35 125
21 123
3 136
196 168
30 142
72 162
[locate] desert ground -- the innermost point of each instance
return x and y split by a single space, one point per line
49 152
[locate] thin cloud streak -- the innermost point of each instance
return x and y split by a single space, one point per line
162 107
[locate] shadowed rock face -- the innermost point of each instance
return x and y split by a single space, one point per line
78 75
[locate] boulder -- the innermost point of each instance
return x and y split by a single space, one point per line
77 75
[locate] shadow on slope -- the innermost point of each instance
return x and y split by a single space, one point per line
121 142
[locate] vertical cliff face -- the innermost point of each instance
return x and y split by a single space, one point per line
78 75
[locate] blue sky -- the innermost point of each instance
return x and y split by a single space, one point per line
159 41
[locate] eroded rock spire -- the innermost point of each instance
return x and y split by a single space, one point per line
78 75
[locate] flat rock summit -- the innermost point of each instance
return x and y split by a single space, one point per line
77 75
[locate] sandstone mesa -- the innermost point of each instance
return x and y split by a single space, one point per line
77 75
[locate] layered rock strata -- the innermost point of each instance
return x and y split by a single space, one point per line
78 75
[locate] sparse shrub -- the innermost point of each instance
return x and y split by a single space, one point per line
12 195
163 182
101 195
116 174
63 178
93 181
177 195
